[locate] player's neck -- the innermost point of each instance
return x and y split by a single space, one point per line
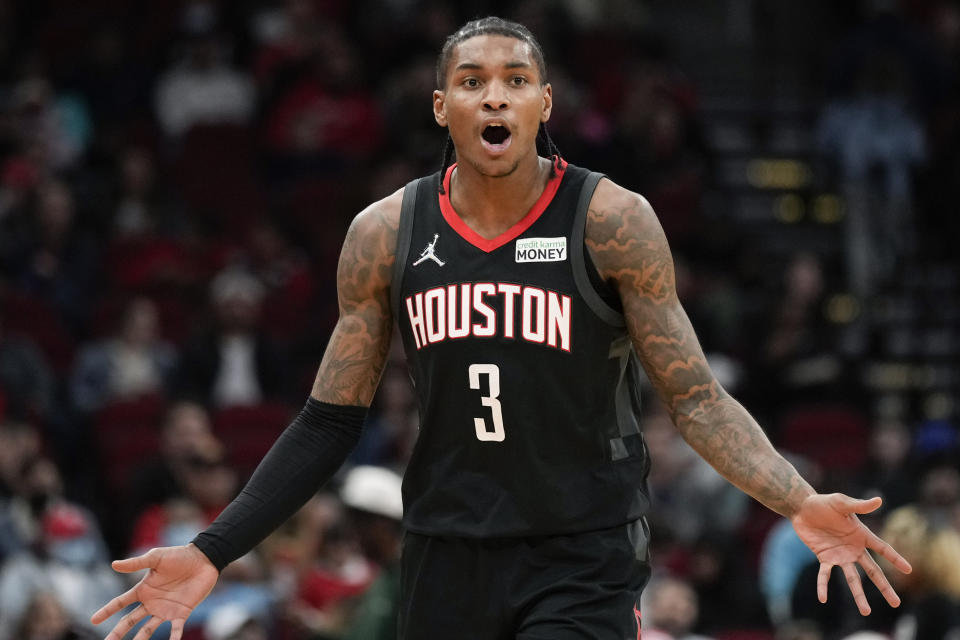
491 205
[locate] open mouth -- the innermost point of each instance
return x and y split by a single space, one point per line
496 137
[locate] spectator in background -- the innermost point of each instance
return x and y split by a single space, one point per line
670 607
689 497
939 490
59 126
289 287
46 619
186 433
19 176
141 210
27 384
411 130
889 471
133 362
872 133
797 359
69 557
372 496
327 117
287 35
58 261
148 246
19 443
201 87
291 553
208 484
931 593
389 434
330 571
233 362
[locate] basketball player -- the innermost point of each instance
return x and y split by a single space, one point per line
528 293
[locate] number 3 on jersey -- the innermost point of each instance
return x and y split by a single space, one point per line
492 372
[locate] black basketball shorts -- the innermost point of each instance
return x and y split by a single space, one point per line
584 586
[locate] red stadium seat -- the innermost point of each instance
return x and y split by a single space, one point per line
127 433
216 176
35 318
835 436
249 431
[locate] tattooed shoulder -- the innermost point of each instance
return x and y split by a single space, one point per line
357 350
627 244
368 253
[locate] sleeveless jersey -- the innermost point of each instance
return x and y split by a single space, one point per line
527 383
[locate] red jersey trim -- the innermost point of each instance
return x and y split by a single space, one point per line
488 245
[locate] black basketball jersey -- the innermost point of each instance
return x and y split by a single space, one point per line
526 378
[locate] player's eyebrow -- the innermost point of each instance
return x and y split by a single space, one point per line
513 64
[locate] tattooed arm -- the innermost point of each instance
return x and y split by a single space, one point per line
306 454
630 251
355 356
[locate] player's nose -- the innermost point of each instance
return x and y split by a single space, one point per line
495 97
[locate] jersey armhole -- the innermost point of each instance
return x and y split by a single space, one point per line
404 233
593 290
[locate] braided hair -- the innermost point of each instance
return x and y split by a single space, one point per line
499 27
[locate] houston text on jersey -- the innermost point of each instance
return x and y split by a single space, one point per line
488 309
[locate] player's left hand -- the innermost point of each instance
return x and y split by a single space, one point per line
828 524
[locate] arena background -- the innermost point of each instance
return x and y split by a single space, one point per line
176 177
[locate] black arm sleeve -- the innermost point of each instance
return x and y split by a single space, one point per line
306 455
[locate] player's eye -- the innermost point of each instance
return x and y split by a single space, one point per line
518 81
471 83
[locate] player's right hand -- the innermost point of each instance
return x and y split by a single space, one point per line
179 578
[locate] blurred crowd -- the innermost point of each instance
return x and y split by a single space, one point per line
175 182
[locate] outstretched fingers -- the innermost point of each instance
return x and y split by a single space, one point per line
888 553
127 623
823 578
176 630
117 604
875 573
856 588
147 630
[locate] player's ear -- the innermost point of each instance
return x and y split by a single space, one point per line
439 112
547 102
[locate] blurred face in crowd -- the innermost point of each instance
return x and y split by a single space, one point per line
187 430
207 478
673 607
805 277
18 443
41 482
55 210
140 322
138 171
493 102
890 444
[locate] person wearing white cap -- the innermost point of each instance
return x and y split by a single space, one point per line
372 495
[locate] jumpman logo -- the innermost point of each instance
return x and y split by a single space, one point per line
428 253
